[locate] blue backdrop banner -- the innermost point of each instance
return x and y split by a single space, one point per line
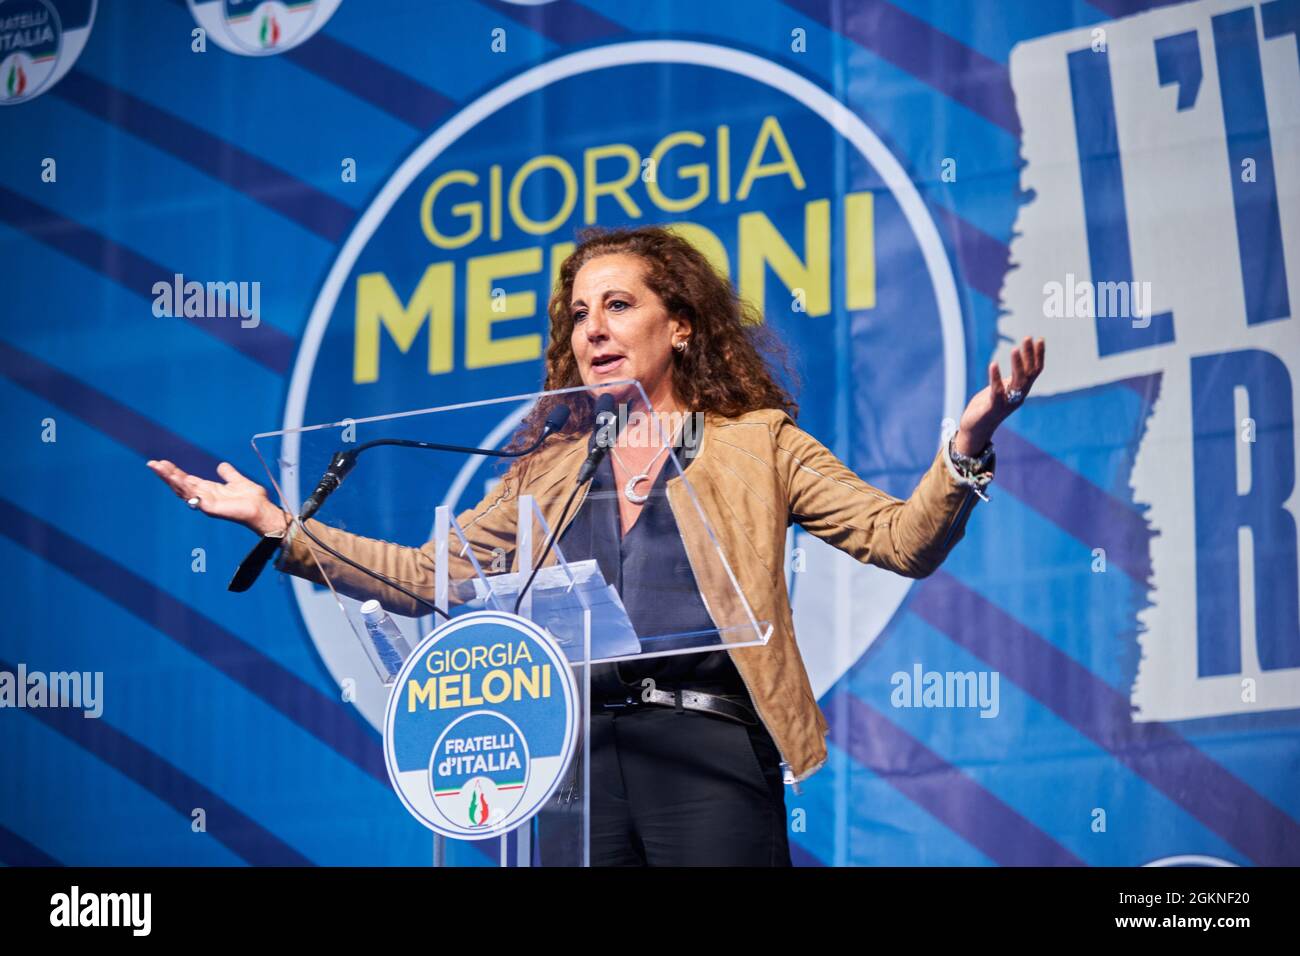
219 218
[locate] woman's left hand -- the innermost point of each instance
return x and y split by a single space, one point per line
991 405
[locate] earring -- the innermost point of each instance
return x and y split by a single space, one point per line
680 345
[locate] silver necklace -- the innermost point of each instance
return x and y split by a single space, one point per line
629 489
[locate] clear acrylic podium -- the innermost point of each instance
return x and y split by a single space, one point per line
429 518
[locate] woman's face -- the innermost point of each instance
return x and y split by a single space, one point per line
622 330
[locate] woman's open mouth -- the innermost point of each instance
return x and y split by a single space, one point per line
611 362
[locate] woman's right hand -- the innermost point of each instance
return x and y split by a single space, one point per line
234 498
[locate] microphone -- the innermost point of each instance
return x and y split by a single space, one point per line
602 437
555 421
338 469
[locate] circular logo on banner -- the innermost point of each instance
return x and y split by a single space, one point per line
440 292
261 27
38 46
481 725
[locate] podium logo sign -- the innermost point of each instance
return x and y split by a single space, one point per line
481 725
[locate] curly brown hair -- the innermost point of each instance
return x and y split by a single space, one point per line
728 368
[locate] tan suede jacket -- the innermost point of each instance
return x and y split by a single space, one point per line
753 476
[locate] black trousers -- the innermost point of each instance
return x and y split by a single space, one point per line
680 788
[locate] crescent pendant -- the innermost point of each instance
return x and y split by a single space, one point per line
629 490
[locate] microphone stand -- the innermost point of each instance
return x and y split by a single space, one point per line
340 465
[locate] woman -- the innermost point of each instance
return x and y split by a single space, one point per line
689 769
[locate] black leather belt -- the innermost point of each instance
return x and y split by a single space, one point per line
728 706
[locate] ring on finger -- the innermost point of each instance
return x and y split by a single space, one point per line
1015 396
193 502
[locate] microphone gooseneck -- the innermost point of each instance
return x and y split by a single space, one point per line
603 436
340 465
343 461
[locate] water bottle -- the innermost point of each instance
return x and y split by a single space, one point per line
390 646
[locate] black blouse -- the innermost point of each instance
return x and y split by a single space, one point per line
650 570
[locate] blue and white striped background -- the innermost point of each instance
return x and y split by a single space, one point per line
228 166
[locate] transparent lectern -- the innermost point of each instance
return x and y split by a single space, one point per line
434 521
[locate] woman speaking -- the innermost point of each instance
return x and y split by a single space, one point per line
690 753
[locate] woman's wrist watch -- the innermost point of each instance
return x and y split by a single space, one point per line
974 471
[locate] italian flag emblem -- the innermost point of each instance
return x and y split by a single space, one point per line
16 81
270 31
478 808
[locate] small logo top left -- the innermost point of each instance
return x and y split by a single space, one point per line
40 41
261 27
